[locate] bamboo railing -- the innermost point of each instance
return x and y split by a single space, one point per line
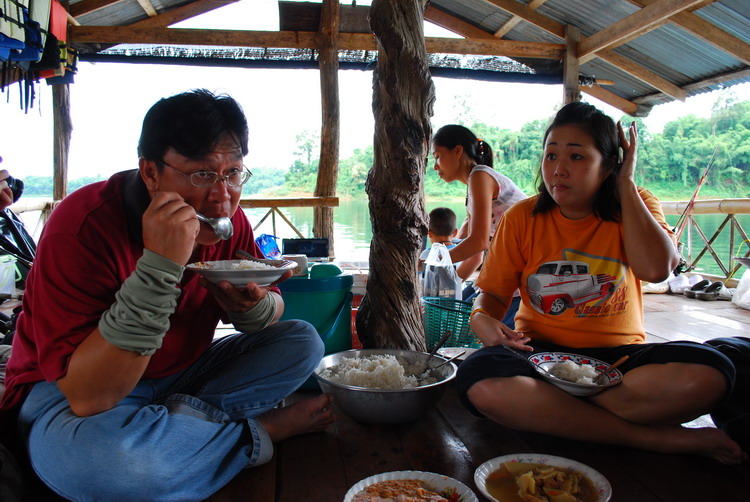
737 235
729 207
275 204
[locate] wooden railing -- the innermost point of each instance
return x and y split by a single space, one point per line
275 204
737 235
729 207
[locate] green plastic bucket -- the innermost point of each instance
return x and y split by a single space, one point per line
324 299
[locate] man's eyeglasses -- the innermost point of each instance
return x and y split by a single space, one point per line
204 178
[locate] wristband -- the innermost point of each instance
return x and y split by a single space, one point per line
139 318
479 310
257 317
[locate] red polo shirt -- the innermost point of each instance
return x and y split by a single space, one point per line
87 249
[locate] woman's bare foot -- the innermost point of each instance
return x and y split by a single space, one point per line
310 415
709 442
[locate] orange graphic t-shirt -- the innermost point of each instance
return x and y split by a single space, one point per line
576 286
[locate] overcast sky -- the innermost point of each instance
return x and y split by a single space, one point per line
108 102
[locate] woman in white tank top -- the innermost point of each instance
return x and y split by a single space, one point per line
461 156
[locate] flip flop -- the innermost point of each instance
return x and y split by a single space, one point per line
711 293
698 286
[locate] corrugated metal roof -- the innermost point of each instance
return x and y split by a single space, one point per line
669 51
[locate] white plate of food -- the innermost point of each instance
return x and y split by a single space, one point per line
574 373
453 490
497 478
241 272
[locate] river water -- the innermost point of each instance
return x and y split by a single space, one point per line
353 232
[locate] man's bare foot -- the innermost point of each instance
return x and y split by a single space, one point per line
709 442
309 415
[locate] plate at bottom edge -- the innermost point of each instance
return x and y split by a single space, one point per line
601 485
432 481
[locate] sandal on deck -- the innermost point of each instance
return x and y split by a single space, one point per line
710 293
699 286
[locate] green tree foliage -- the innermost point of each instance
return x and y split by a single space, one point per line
670 163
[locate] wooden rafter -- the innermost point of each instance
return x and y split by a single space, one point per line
468 30
707 32
89 6
513 21
148 8
638 22
638 25
530 15
701 84
642 74
182 13
457 26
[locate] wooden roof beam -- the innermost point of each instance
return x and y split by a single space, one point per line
528 14
457 26
708 32
300 40
642 74
463 28
89 6
636 70
513 21
612 99
638 22
702 84
182 13
148 8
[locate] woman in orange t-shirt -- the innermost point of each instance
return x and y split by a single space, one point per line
577 251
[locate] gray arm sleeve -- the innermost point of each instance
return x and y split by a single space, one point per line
139 318
257 317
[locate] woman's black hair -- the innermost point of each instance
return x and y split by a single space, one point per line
603 130
192 123
450 136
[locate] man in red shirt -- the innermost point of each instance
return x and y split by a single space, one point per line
114 365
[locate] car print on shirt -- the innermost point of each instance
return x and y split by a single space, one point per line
559 285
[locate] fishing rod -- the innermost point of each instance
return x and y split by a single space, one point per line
679 227
682 220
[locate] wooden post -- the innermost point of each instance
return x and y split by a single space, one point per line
328 167
62 129
570 65
403 97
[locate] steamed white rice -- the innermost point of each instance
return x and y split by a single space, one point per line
250 265
385 372
574 372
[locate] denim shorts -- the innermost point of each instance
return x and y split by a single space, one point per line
497 361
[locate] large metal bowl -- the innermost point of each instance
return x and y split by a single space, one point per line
386 407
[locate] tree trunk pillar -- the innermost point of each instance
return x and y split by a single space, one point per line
403 97
62 129
571 93
329 137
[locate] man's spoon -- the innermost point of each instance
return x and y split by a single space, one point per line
221 226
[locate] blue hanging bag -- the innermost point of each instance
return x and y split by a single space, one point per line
268 246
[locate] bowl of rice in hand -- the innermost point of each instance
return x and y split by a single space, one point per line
384 386
240 272
574 373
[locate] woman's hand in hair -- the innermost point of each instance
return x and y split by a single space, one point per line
629 152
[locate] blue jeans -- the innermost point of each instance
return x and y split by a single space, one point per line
177 438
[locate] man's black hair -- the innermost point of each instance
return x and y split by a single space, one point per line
192 123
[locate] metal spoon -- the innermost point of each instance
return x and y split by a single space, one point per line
221 226
448 334
448 360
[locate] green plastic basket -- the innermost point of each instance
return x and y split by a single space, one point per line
442 314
